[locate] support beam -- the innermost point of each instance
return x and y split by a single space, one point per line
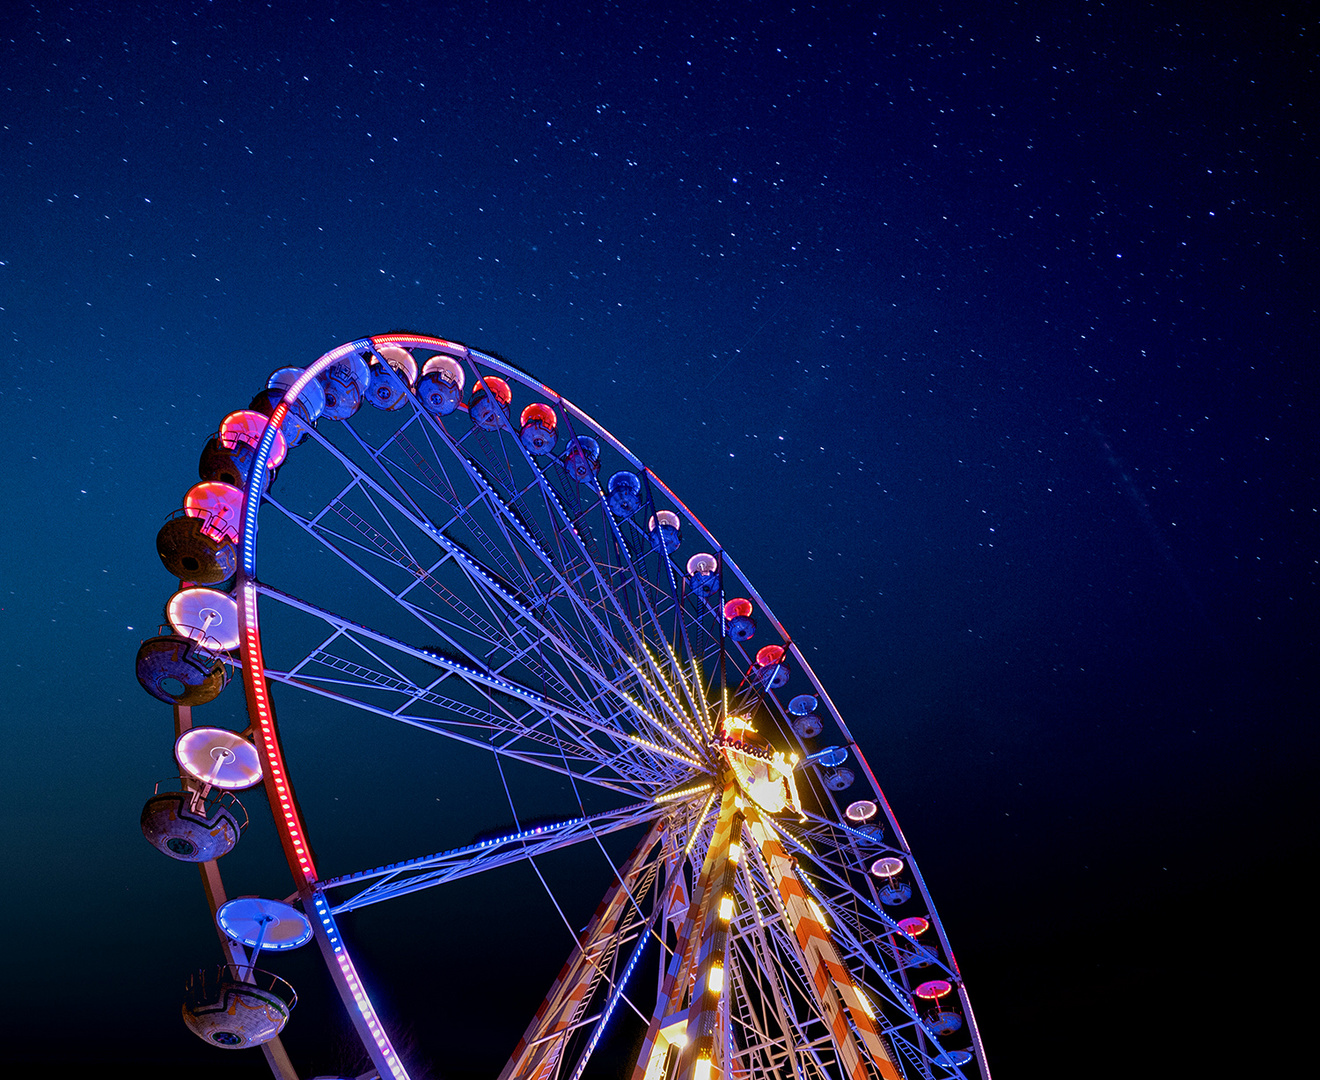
542 1044
702 1055
702 943
831 980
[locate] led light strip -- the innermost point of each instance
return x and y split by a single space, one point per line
683 793
288 821
360 998
614 997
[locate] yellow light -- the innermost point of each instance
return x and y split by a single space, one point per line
820 915
768 793
726 908
715 981
735 851
865 1004
701 1070
683 793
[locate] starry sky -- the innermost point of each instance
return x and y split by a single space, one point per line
982 335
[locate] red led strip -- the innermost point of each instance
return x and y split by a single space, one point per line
278 790
292 834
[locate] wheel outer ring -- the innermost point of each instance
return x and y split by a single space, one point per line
279 790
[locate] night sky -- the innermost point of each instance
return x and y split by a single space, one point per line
983 337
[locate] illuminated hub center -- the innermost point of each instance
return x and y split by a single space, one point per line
764 774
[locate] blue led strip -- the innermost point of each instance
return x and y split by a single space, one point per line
615 995
334 944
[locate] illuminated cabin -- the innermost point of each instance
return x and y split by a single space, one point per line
178 670
489 404
234 1008
537 428
624 494
770 671
895 892
440 387
180 822
941 1019
703 574
345 386
582 458
738 619
805 723
199 541
393 380
307 408
665 528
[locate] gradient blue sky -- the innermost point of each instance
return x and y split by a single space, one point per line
982 335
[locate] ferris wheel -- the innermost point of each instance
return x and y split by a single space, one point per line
455 548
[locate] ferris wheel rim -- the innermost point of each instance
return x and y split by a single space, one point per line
255 675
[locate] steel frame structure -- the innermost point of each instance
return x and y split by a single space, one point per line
491 597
